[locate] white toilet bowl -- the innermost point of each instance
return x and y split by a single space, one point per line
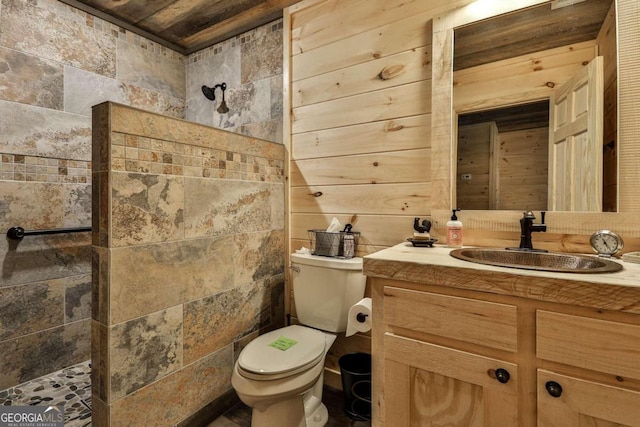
279 374
284 385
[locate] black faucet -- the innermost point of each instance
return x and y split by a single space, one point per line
526 228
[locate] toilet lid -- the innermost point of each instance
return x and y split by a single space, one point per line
283 350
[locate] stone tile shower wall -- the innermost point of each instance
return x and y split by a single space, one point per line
188 253
251 65
55 63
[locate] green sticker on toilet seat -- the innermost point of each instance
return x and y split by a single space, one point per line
283 343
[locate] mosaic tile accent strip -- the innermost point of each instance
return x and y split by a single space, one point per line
15 167
130 153
235 41
70 387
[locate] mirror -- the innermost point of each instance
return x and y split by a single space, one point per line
505 70
567 231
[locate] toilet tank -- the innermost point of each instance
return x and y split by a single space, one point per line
324 289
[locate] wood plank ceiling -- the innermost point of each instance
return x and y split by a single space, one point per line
531 30
186 25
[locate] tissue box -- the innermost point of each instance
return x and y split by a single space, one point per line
326 243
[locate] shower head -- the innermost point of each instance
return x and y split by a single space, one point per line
210 94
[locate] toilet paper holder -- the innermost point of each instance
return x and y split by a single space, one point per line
361 317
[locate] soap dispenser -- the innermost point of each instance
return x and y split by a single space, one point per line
348 242
454 231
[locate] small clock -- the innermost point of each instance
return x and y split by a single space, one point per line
606 243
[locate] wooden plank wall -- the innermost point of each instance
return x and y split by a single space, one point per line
475 160
360 102
522 165
518 80
628 106
360 132
517 178
360 124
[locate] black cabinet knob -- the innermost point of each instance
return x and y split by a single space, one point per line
502 375
553 388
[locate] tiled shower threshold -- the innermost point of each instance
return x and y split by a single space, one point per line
70 387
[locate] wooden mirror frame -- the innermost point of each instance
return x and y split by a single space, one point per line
625 222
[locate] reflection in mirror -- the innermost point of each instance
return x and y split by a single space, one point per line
502 158
512 64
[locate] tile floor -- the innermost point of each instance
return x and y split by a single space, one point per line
70 387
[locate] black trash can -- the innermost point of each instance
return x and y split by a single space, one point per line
355 369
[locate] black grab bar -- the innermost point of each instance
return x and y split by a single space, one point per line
17 233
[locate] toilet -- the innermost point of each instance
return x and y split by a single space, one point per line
280 373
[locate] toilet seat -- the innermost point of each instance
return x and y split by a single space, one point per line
261 361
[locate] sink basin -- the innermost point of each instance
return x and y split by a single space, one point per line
542 261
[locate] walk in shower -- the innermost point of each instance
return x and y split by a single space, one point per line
45 296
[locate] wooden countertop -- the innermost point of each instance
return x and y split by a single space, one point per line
619 291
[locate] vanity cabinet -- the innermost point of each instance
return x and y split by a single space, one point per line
431 384
608 347
445 354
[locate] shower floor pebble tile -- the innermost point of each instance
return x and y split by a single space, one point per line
70 387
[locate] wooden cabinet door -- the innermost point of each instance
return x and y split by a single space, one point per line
565 401
431 385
